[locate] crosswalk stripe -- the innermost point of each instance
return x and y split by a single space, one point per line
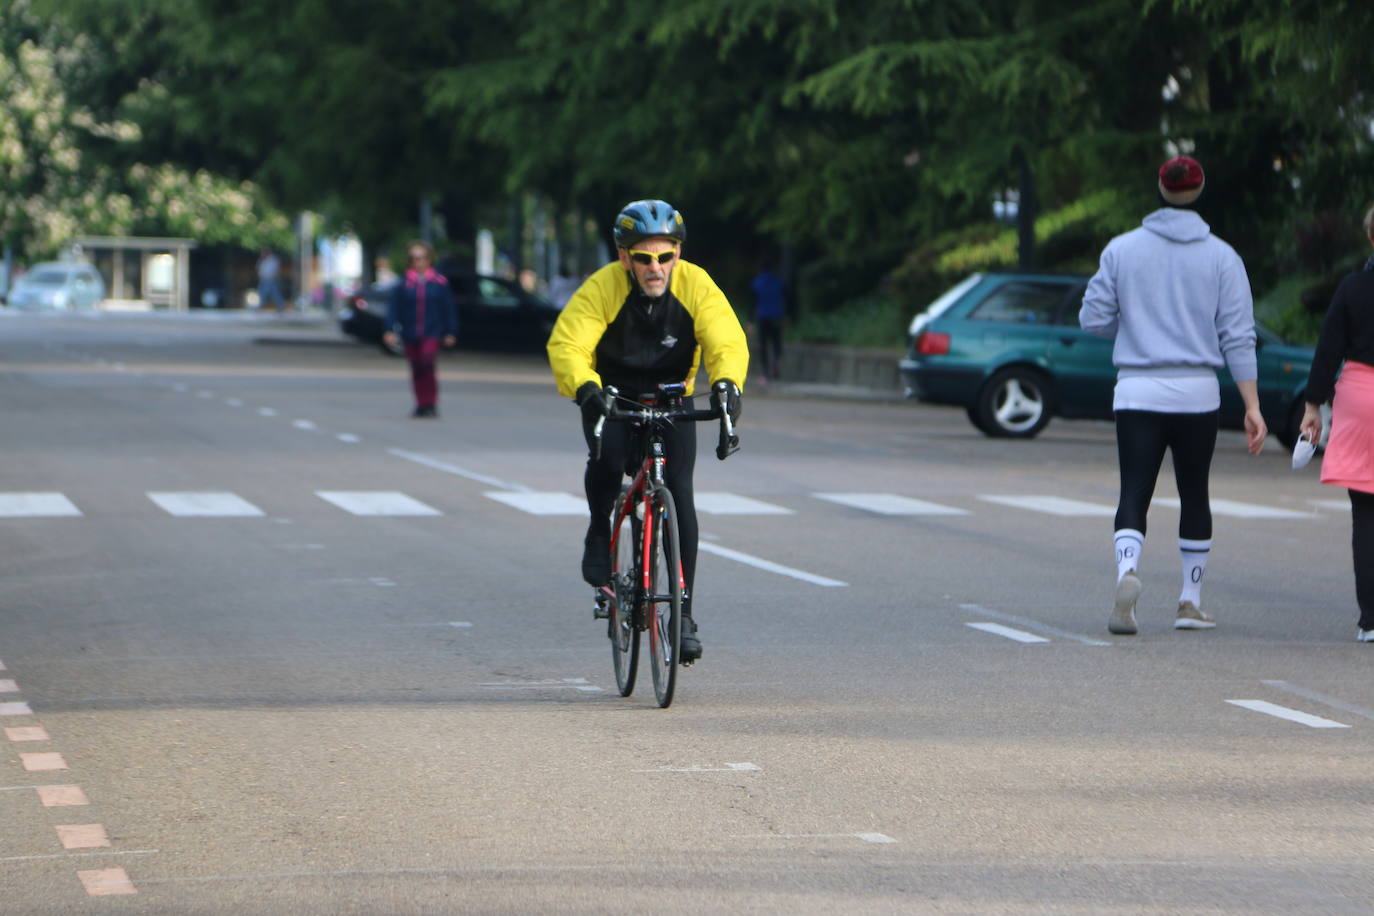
734 504
36 505
221 505
376 502
541 503
1053 505
889 504
1233 509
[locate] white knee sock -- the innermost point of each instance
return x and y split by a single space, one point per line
1194 556
1129 543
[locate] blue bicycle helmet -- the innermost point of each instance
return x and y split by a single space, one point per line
642 219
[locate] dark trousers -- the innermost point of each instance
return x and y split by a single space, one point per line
621 451
1142 436
423 354
770 346
1362 543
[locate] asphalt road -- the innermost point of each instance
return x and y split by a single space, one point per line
271 646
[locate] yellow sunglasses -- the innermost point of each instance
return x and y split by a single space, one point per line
648 257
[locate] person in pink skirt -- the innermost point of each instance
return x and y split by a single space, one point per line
1348 336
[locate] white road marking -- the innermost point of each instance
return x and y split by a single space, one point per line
376 502
7 685
234 402
866 837
889 504
1321 698
36 505
457 471
17 708
205 394
348 437
1338 505
1053 505
1032 624
1283 712
221 505
541 503
266 412
728 768
734 504
566 683
1233 509
998 630
304 424
769 565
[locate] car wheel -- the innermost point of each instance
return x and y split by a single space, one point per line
1015 403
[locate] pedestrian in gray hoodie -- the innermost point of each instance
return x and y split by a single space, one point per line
1176 300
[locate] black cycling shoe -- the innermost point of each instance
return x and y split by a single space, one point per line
691 646
596 559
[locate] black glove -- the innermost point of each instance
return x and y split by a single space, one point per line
727 391
594 401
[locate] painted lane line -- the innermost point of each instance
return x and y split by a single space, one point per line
1230 507
27 733
376 502
61 796
304 424
216 505
81 855
8 686
889 504
104 882
1283 712
2 666
16 708
1321 698
728 768
769 565
349 438
36 505
266 412
1338 505
82 836
866 837
998 629
43 760
1032 625
733 504
180 386
541 503
205 394
566 683
457 471
1053 505
234 402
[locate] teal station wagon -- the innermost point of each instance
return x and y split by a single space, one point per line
1008 349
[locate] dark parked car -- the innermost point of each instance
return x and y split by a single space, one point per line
493 313
1008 348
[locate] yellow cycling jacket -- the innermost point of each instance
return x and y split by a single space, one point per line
609 333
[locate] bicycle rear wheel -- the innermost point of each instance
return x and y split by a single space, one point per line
664 602
624 584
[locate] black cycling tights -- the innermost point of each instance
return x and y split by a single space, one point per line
603 479
1141 438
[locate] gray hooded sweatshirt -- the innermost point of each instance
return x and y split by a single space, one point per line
1175 297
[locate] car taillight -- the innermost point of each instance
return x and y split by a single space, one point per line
932 343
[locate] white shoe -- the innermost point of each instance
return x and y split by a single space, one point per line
1191 617
1122 621
1365 636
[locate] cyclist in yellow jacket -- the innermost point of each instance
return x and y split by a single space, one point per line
646 318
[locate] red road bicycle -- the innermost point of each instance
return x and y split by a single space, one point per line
646 588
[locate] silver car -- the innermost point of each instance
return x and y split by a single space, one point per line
58 285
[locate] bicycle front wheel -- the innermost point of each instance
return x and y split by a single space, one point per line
624 584
664 601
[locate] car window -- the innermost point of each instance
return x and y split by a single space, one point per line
494 293
47 277
1021 302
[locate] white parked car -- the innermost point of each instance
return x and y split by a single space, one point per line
58 285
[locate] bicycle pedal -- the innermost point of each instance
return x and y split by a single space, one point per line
687 662
601 610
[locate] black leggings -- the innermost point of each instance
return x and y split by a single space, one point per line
1141 438
1362 542
620 452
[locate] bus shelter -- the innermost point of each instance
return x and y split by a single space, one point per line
142 272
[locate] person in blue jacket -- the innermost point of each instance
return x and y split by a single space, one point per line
422 314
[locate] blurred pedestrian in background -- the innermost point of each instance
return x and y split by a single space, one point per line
770 312
269 280
562 286
1177 301
1348 336
421 314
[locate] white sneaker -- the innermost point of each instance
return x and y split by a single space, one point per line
1122 621
1365 636
1190 617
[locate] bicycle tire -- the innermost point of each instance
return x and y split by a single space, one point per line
620 627
663 604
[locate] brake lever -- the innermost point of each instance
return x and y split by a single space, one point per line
611 394
729 442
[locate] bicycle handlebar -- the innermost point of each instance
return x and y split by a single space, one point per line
727 445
